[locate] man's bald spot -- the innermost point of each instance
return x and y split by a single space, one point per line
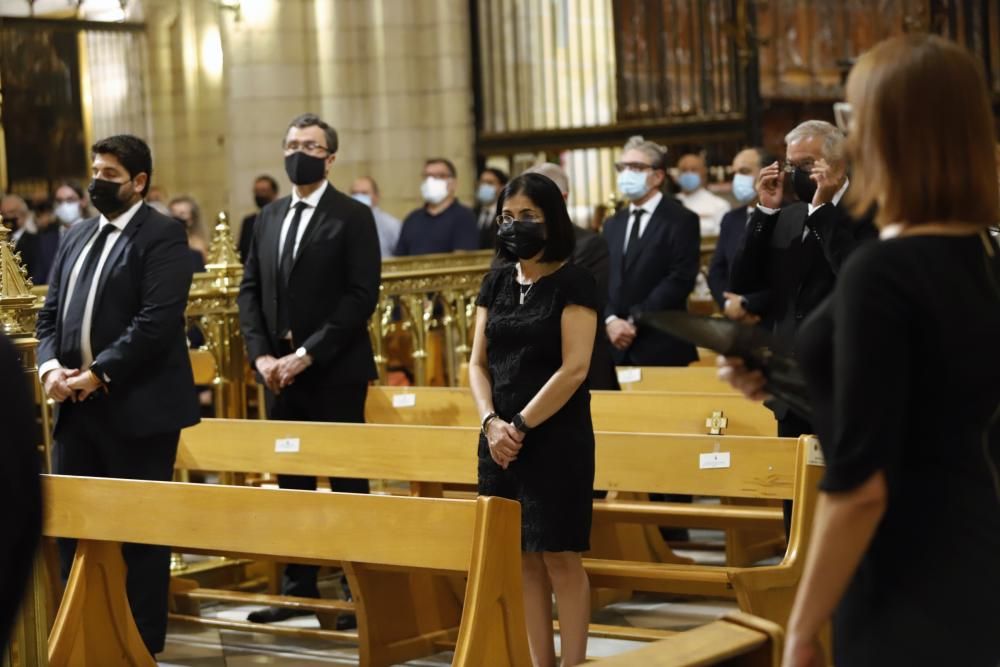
14 204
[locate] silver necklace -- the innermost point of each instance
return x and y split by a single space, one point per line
524 292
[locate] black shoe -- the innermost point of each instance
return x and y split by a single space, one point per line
347 622
275 614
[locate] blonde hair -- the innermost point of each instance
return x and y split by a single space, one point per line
923 139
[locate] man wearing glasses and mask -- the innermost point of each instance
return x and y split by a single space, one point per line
795 250
310 284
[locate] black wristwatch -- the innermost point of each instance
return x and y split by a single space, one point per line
518 423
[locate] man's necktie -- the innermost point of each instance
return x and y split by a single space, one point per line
285 268
632 249
70 354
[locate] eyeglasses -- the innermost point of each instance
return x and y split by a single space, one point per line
843 112
632 166
504 219
788 167
305 147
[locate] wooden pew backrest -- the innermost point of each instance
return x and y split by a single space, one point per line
670 378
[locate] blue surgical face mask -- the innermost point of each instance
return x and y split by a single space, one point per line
363 197
633 184
743 188
486 194
689 181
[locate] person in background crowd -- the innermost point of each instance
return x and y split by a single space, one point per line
655 250
19 486
746 167
694 194
117 364
265 191
186 210
491 183
157 195
23 235
365 190
902 372
71 205
441 224
591 253
310 285
536 318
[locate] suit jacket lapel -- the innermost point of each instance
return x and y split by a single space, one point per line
270 253
652 227
317 219
116 250
73 254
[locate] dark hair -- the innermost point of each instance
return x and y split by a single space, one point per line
499 173
545 194
442 160
72 185
270 181
132 152
312 120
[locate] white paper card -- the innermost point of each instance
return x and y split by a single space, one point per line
713 460
629 375
286 445
814 455
404 400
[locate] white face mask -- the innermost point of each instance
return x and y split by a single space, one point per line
364 198
434 190
68 212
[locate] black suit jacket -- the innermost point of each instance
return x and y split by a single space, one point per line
48 246
246 236
332 292
799 273
591 253
29 247
138 331
660 278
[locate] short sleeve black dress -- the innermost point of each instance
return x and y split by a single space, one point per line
553 476
904 372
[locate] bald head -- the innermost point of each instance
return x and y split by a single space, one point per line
554 173
14 210
365 187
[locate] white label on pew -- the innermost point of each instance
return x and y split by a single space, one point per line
713 460
814 455
286 445
629 375
404 400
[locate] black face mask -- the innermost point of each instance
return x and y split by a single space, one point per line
805 187
524 240
261 200
303 169
106 197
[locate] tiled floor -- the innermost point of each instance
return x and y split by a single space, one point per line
197 646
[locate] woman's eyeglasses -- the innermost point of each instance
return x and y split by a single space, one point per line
504 219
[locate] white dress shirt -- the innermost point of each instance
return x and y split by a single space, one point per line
649 206
709 207
86 351
312 201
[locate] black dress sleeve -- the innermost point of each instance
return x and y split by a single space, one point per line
578 287
873 329
487 290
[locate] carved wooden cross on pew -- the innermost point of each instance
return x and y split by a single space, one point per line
716 423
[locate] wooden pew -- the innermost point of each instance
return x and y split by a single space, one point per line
480 538
736 640
633 412
669 378
758 468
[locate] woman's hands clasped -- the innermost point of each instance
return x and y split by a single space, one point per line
504 441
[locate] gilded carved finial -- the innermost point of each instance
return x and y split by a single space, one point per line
223 250
16 299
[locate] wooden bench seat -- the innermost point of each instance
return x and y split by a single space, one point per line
634 412
480 538
758 468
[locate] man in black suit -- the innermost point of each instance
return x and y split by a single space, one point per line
590 252
746 166
23 234
310 284
113 353
654 247
265 191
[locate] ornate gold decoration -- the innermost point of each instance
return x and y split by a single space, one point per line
212 306
16 299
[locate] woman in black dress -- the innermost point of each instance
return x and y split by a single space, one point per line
535 326
904 375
